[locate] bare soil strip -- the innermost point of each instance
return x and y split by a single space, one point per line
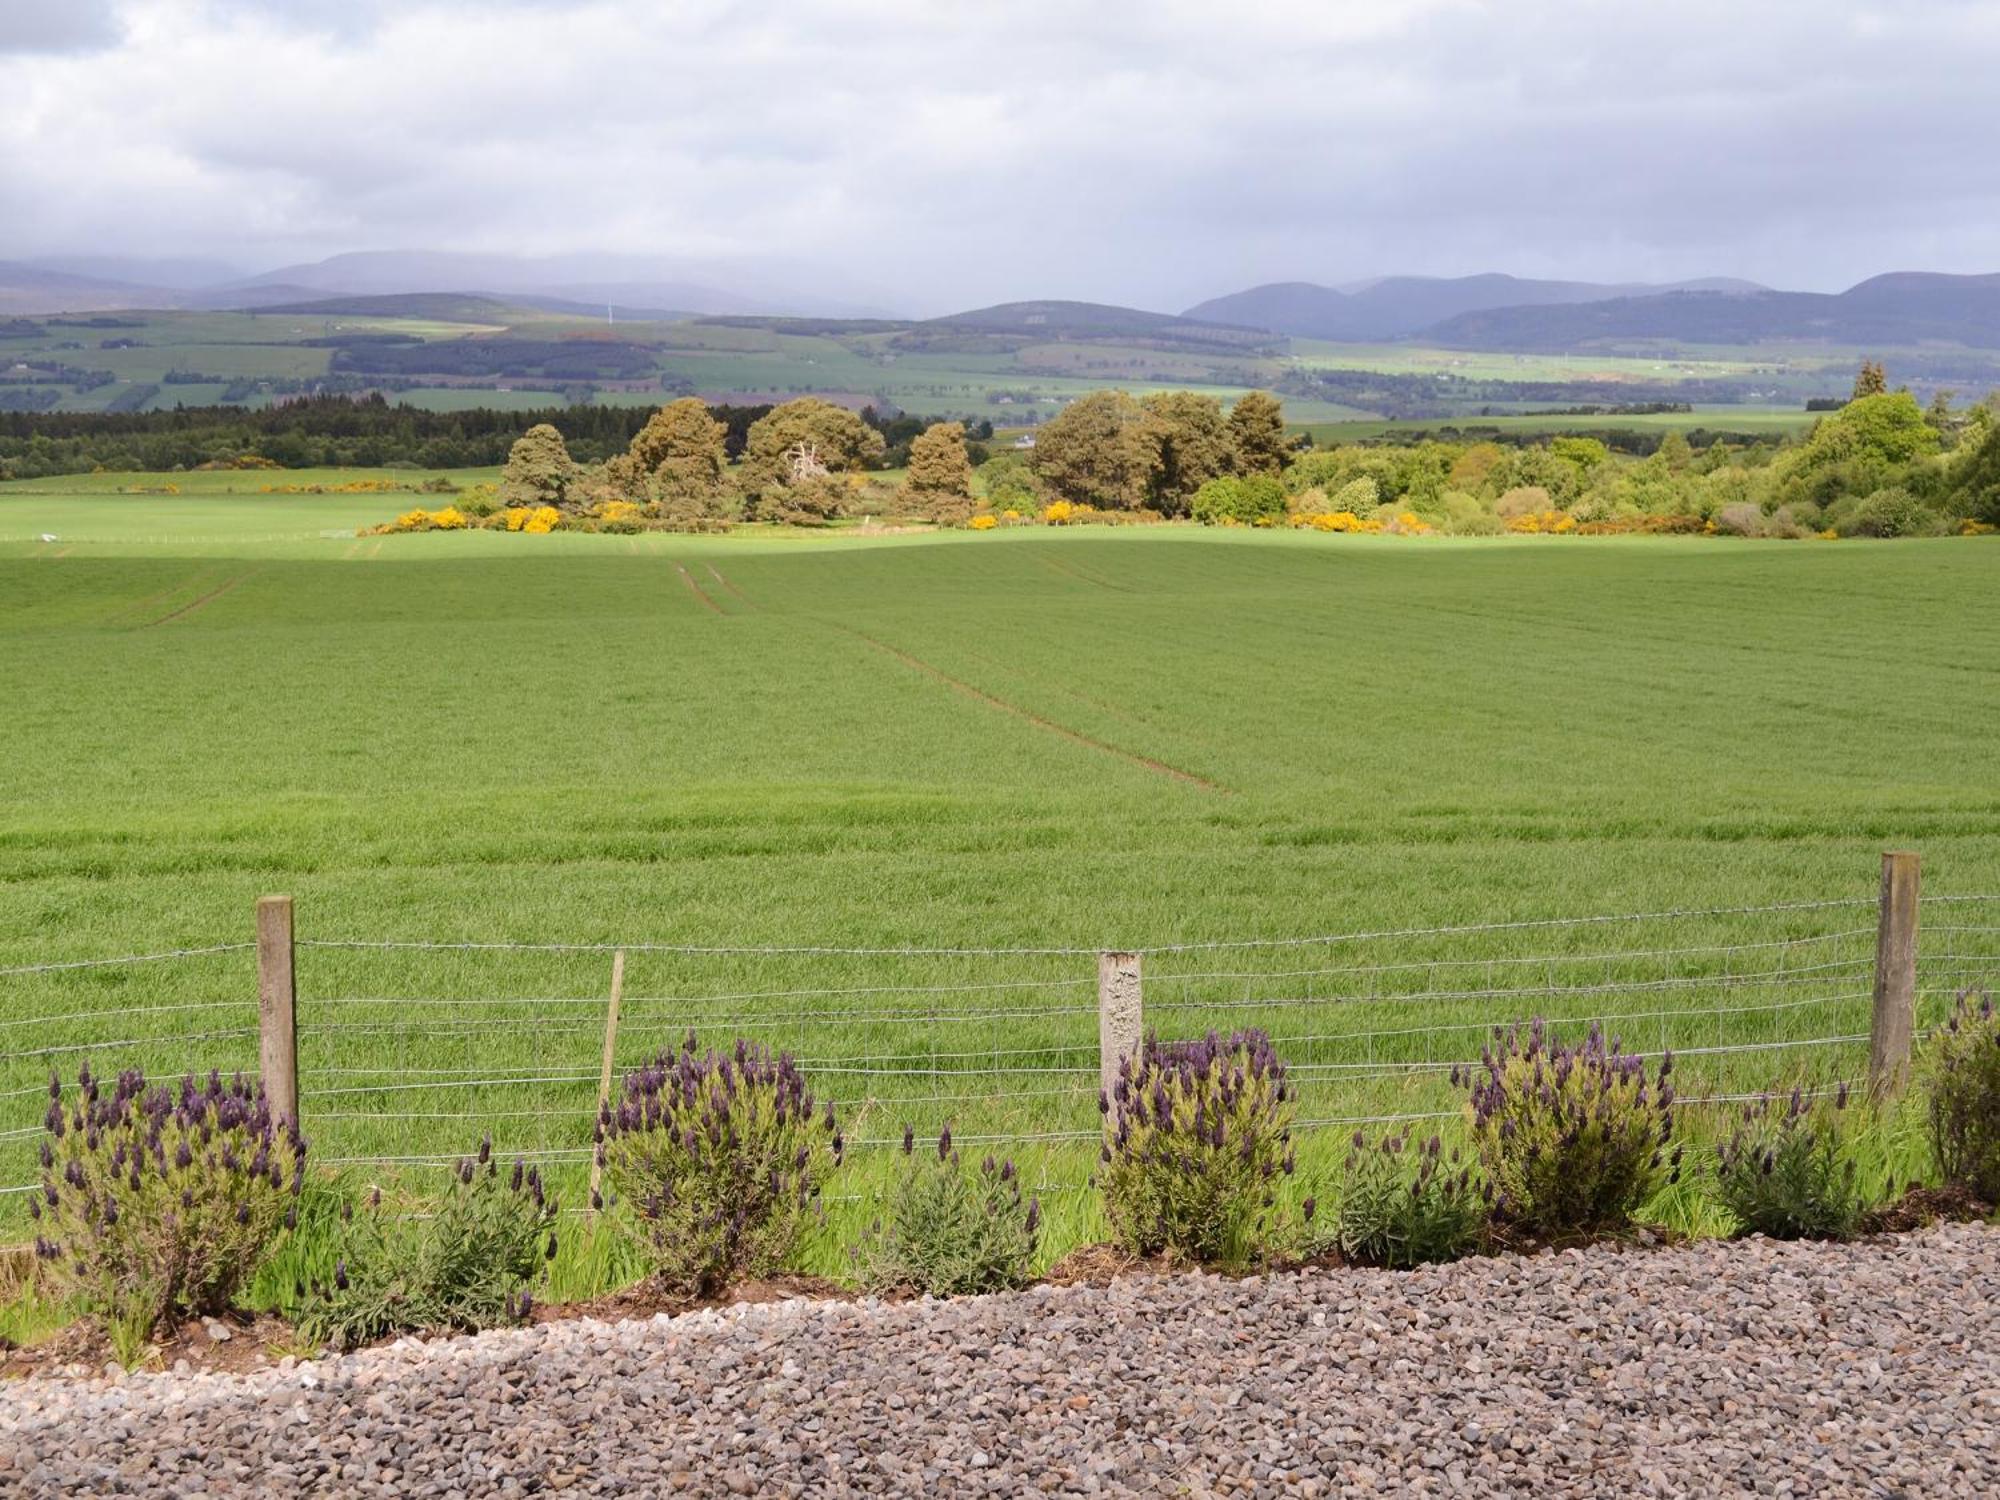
695 589
718 575
203 602
1159 767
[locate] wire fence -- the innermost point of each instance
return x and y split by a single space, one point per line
409 1051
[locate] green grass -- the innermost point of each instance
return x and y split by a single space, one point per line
1029 739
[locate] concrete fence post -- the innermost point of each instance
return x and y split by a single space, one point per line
1895 1019
1121 1015
277 1013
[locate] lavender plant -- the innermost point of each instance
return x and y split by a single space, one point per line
1397 1215
949 1231
1573 1139
718 1158
1789 1170
158 1201
1198 1134
467 1263
1961 1080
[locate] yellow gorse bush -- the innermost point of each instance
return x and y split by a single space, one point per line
1542 523
1336 520
983 523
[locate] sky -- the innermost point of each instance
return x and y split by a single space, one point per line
929 155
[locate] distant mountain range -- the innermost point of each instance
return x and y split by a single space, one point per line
1395 307
628 283
1509 315
1486 312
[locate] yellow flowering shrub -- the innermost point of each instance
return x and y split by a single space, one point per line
451 518
542 520
617 510
1970 527
1542 523
983 523
1337 520
1058 512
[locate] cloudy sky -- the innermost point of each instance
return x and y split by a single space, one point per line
932 154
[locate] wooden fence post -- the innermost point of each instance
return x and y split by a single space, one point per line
277 1015
604 1074
1121 1015
1895 1018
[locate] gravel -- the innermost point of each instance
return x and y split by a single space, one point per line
1718 1369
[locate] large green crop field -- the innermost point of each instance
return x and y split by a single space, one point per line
1030 739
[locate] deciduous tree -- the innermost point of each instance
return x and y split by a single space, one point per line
1094 452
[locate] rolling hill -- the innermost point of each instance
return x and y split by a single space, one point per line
1899 309
1395 307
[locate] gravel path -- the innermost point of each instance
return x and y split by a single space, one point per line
1715 1370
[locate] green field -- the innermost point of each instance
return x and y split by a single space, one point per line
1030 739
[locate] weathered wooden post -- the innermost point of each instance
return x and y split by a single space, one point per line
1895 1018
604 1073
277 1014
1121 1015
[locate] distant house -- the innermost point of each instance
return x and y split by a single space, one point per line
1025 440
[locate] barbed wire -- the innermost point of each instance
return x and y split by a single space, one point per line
129 958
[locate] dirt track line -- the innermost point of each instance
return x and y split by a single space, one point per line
187 609
1159 767
717 574
695 588
1073 571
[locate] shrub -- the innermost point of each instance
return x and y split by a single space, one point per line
1396 1218
1522 500
1572 1138
465 1266
1740 518
1245 501
1894 512
715 1158
1962 1096
949 1231
1199 1132
1789 1170
157 1201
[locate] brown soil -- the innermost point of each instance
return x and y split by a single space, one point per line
254 1343
1927 1205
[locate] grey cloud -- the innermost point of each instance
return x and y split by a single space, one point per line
1154 153
31 26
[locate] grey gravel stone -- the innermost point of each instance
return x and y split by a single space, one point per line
1745 1369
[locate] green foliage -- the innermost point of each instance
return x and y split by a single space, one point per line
155 1201
539 470
717 1160
1187 445
804 439
1572 1138
1010 484
1095 452
951 1232
1256 497
1257 433
1961 1079
1358 497
464 1264
1401 1208
1888 513
1789 1170
938 462
677 462
1199 1133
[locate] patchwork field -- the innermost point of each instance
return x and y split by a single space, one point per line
1027 740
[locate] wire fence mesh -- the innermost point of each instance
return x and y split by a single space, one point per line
410 1051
